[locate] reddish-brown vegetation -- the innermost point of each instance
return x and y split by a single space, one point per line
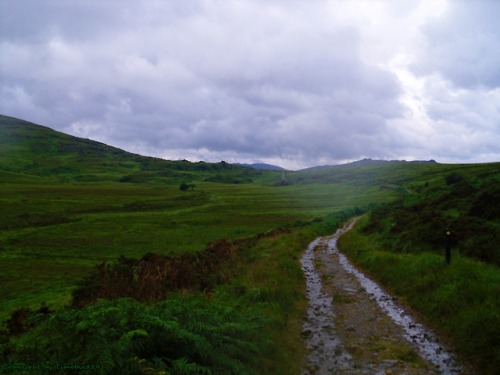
153 276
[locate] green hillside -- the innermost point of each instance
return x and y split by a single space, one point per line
81 220
34 150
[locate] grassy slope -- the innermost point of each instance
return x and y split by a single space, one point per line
402 245
58 222
465 200
34 150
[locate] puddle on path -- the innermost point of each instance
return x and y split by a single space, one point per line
325 347
327 353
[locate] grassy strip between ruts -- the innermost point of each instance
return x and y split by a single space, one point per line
461 301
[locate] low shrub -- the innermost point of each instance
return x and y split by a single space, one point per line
153 277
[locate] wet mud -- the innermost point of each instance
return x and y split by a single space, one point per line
354 327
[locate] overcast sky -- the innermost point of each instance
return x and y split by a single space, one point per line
296 83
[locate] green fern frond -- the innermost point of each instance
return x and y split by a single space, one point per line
182 366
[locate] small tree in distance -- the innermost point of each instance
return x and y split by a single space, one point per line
185 187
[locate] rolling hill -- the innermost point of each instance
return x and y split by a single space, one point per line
27 149
263 166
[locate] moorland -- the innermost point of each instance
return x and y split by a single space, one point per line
121 261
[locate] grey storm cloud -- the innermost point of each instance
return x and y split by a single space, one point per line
296 83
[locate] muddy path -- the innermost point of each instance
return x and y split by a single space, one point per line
354 327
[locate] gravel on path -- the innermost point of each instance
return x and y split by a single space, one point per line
354 327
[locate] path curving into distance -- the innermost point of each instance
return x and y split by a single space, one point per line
354 327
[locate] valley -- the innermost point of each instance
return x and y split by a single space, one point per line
68 205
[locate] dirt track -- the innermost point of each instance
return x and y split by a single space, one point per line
354 327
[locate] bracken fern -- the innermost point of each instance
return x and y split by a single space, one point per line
181 335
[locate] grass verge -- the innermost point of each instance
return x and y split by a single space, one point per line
461 301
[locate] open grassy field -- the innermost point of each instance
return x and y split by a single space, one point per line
53 234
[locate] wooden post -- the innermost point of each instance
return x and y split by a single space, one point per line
447 255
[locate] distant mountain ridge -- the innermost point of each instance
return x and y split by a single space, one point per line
369 161
264 166
34 149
